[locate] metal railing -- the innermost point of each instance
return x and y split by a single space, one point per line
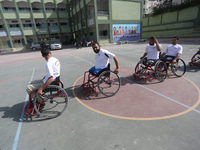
102 12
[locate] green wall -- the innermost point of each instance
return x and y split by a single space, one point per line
183 23
120 9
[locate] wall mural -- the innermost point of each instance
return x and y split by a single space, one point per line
126 32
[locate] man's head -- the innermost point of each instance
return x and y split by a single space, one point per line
96 47
175 40
46 53
151 41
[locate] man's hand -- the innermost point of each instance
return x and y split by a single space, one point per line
116 71
155 40
39 92
174 61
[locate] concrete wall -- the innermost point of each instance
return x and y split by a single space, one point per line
183 23
126 10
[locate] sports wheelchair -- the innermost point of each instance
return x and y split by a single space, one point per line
195 61
148 70
178 68
50 104
107 82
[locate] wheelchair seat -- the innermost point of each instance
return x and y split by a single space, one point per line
151 62
102 70
57 82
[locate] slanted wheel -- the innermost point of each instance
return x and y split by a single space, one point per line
108 83
179 68
140 68
52 102
195 59
160 71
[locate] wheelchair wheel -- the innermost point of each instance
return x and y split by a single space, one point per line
195 59
52 102
160 71
140 68
179 68
108 83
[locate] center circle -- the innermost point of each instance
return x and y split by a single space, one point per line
151 101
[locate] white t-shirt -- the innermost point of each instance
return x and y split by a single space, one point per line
172 50
52 68
152 51
102 60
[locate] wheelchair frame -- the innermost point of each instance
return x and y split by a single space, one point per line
32 108
148 72
89 86
195 60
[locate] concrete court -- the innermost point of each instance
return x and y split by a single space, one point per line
80 128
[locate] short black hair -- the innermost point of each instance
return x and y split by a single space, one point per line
95 43
45 52
176 37
152 38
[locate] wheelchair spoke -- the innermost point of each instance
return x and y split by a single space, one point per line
161 71
52 103
108 83
179 68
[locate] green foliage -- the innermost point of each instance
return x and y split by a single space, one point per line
169 7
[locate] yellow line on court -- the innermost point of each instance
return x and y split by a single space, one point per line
131 118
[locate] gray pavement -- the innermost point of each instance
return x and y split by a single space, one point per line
80 128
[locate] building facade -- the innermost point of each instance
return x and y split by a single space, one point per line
25 21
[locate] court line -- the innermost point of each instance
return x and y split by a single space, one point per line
21 119
149 89
161 94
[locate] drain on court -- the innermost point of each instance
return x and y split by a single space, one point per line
154 100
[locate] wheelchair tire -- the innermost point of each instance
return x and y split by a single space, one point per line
108 83
179 68
140 68
195 59
160 71
52 102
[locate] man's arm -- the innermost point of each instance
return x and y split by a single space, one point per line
145 54
163 54
116 71
177 56
48 82
159 48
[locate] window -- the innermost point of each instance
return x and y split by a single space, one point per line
17 41
24 9
14 25
27 25
63 23
91 33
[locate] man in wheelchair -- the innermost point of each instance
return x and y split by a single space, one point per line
152 52
52 76
102 60
172 52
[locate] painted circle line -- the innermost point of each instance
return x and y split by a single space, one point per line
158 100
